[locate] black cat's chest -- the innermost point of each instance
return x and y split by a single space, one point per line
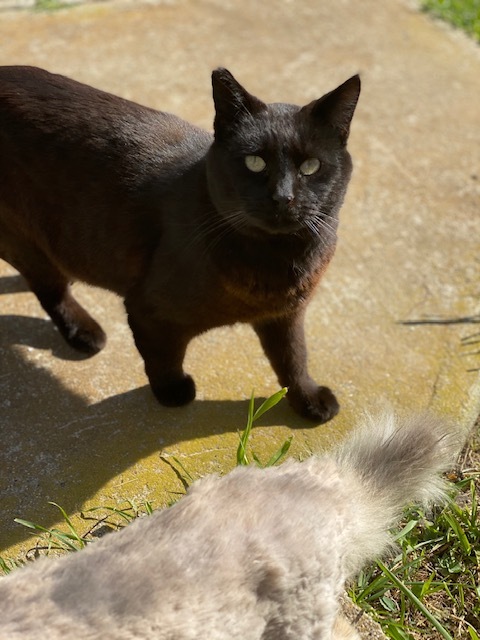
250 293
206 290
259 279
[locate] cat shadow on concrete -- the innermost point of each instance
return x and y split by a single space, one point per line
13 284
57 446
34 332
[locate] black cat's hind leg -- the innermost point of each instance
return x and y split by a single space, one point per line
75 324
162 345
283 341
52 289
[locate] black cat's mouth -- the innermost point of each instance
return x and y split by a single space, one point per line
273 227
275 224
283 224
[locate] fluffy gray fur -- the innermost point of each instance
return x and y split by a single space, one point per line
256 554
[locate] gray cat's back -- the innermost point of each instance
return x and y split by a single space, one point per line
225 561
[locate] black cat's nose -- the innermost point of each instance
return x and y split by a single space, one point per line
282 197
282 190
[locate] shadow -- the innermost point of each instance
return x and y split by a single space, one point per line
56 446
31 333
13 284
40 334
466 341
442 321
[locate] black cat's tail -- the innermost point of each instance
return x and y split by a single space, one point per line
390 463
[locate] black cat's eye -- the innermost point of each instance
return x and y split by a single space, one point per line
255 163
310 166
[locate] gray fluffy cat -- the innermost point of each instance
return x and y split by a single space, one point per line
257 554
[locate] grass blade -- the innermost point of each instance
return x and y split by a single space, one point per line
269 403
73 531
242 458
411 524
459 532
413 598
280 453
473 634
31 525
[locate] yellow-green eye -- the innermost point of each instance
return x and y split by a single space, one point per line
310 166
255 163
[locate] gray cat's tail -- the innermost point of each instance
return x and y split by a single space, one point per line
391 463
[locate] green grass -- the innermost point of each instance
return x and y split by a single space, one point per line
464 14
432 585
254 414
51 5
100 520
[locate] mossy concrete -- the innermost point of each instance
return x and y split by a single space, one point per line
88 432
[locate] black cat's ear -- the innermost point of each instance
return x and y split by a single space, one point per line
232 102
337 107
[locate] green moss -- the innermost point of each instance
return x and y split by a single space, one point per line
50 5
464 14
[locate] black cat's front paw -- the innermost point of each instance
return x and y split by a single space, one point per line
318 403
175 392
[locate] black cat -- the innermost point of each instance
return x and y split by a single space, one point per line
193 231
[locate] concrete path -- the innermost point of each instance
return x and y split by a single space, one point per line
88 432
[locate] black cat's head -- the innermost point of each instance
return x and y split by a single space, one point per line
279 168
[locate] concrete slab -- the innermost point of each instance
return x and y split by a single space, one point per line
88 432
